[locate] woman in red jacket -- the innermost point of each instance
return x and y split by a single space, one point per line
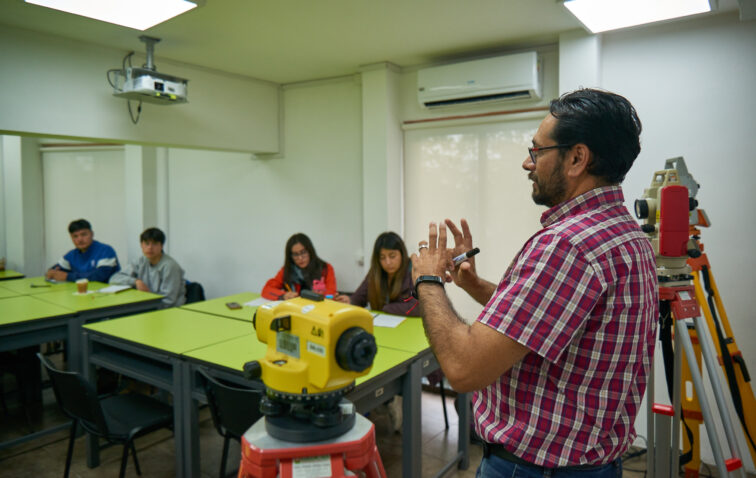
302 269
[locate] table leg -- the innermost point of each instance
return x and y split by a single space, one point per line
463 407
411 421
186 427
89 372
75 344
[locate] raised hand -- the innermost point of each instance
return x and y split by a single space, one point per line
465 274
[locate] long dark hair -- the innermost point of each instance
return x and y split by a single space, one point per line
380 288
314 269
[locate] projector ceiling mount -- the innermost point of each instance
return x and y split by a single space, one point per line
146 84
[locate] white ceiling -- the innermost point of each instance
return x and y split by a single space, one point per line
287 41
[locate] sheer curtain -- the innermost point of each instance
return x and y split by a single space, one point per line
472 171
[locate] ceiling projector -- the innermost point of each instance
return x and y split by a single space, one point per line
146 84
150 86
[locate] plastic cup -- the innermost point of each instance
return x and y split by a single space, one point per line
81 286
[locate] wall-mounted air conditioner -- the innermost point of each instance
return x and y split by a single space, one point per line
511 77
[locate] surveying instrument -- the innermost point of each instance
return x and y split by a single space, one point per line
672 218
316 350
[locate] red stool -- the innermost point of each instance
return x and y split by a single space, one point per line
266 457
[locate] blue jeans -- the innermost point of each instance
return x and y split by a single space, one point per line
495 467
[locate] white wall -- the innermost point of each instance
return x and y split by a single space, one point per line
693 86
54 86
22 203
231 214
84 183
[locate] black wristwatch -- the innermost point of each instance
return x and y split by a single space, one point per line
431 279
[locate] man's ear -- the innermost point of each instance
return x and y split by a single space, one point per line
578 160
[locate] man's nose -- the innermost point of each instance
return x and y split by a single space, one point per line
528 164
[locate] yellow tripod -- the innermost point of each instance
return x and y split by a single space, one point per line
729 356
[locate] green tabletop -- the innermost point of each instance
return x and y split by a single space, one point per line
232 353
6 274
25 307
173 330
236 352
385 359
218 306
38 285
408 336
94 300
5 293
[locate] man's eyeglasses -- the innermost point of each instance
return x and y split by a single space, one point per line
300 253
536 149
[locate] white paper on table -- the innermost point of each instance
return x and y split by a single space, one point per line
387 320
258 302
112 289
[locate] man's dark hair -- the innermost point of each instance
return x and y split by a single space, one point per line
152 234
605 122
78 225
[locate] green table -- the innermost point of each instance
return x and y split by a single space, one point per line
149 348
7 274
94 306
5 293
402 359
234 353
408 336
165 349
174 330
218 306
38 285
44 314
26 320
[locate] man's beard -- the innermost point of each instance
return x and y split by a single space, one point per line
551 192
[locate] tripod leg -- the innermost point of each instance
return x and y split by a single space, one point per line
650 430
716 385
681 334
691 412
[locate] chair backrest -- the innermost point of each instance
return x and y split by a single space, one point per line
194 292
76 397
233 409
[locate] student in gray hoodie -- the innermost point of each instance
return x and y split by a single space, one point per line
155 271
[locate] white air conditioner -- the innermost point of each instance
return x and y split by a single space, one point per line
511 77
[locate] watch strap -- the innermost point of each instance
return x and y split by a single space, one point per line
429 279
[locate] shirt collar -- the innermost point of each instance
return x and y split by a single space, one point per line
593 199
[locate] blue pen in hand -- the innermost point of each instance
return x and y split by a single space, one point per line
463 257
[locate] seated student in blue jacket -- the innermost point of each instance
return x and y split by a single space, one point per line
90 259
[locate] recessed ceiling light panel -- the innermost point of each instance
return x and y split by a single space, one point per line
136 14
604 15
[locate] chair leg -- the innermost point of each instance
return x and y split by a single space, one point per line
443 402
224 455
136 462
124 460
69 454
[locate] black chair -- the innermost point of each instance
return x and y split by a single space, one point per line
119 419
194 292
233 410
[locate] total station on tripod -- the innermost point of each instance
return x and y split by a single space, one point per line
316 350
668 207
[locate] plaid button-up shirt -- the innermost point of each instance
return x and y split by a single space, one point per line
582 295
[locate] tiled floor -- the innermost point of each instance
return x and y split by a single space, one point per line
45 456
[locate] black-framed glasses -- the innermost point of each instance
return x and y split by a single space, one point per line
301 253
536 149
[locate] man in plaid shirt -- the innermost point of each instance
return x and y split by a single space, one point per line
558 358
